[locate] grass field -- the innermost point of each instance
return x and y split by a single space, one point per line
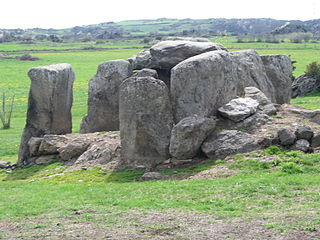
279 198
281 195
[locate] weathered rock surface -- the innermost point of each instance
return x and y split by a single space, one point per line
79 148
238 109
279 71
268 109
145 121
228 142
256 94
146 72
286 137
142 60
188 135
303 85
203 83
312 115
49 106
304 132
253 122
103 98
167 54
251 72
315 142
301 145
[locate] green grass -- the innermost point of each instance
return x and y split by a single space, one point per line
311 101
259 188
14 79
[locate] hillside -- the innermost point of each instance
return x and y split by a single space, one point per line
157 27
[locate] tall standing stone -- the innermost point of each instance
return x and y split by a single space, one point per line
279 71
103 99
145 121
49 106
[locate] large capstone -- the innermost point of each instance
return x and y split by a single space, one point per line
49 105
103 98
188 135
167 54
203 83
145 121
164 55
279 71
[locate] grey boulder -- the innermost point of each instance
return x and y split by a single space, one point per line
286 137
227 142
103 97
302 145
146 72
239 109
167 54
188 135
145 121
203 83
303 85
256 94
49 105
304 132
279 71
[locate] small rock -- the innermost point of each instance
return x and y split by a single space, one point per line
302 145
228 142
286 137
256 94
149 176
239 109
315 142
268 109
304 132
4 164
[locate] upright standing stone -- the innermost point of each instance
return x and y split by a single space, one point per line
49 106
145 121
103 99
279 71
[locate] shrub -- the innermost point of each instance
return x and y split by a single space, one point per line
291 168
313 70
5 115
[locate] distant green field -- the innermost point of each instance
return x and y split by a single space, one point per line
14 80
13 73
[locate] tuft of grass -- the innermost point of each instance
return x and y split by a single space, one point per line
273 150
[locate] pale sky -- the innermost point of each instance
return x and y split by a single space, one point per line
70 13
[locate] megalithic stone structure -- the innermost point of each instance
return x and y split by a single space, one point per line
103 97
49 105
146 121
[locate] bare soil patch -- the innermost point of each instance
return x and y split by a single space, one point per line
167 225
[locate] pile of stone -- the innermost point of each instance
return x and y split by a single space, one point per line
167 101
75 148
302 139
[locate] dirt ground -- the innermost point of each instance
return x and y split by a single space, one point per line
167 225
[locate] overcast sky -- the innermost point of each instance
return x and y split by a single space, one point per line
69 13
